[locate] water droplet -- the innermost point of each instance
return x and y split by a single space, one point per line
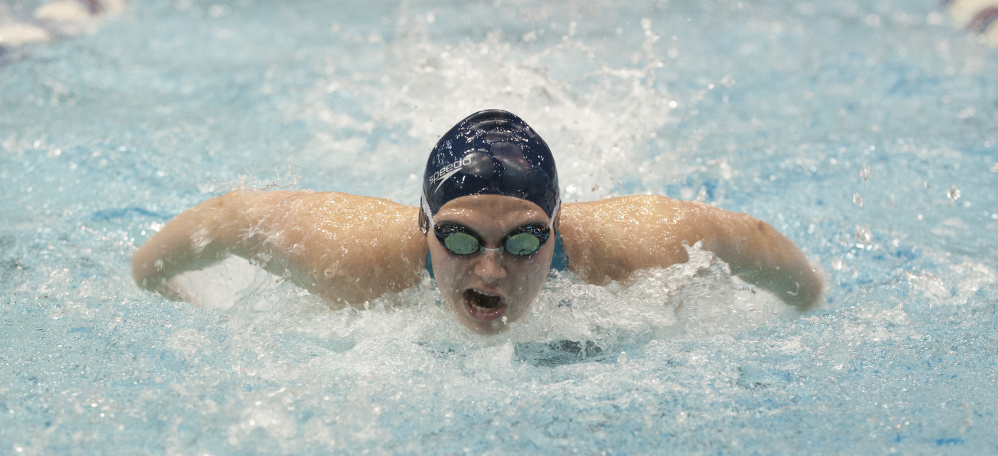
864 234
953 193
866 173
858 200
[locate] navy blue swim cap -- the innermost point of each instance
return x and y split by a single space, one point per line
491 152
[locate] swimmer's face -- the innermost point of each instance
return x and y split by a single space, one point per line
484 288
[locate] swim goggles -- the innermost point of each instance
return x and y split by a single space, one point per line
461 240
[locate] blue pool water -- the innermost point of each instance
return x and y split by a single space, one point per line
866 131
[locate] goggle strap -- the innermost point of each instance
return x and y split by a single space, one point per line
426 214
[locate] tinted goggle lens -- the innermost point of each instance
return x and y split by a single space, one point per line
522 244
462 241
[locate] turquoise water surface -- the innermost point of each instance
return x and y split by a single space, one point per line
866 131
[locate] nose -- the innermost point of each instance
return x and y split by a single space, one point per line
489 266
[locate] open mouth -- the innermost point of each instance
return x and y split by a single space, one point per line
484 306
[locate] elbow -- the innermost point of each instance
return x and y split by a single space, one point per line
141 274
807 292
147 269
815 292
149 274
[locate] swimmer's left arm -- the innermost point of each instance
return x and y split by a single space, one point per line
762 256
610 239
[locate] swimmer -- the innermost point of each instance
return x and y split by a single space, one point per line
491 221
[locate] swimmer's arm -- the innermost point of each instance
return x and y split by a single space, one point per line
610 239
195 239
762 256
343 247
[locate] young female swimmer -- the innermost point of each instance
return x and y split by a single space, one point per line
492 222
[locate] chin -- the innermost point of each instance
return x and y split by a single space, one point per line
486 328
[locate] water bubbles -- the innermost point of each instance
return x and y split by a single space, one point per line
953 194
864 235
858 200
200 239
217 11
866 173
935 18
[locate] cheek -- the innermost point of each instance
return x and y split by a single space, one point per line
446 269
538 276
535 273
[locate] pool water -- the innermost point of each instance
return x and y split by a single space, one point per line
866 131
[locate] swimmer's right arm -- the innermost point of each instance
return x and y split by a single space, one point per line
345 248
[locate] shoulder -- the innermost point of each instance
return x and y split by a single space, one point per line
326 221
309 197
345 247
631 207
609 239
339 207
363 216
633 217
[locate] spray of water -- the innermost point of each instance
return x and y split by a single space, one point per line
597 121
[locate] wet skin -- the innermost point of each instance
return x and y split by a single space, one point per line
352 249
484 287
